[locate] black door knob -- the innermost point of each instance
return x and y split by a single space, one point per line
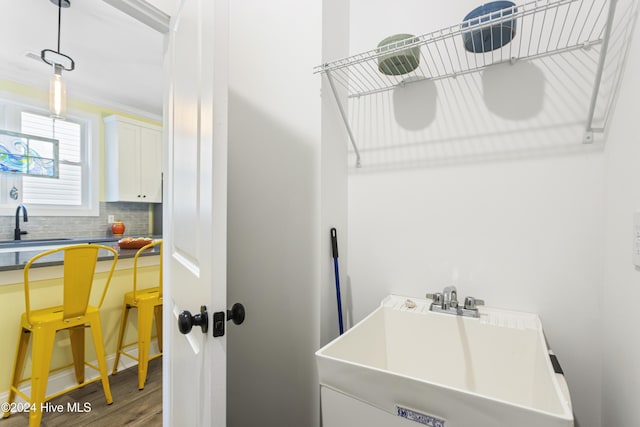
186 320
236 313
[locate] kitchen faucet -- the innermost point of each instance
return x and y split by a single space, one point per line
17 233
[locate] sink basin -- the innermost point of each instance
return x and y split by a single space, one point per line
402 363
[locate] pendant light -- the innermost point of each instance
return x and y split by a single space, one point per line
59 62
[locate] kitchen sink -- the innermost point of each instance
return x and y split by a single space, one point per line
405 363
33 241
32 244
50 243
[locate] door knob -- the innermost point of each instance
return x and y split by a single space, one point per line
186 320
236 313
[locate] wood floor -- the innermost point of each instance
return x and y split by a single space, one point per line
130 407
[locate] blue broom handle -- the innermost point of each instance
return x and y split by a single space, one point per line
335 267
334 252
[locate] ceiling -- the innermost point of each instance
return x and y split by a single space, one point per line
118 60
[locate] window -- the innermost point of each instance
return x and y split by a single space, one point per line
67 189
75 192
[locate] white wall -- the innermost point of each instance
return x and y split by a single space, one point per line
522 234
333 189
503 217
274 212
523 229
621 343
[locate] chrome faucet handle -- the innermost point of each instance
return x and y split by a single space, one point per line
436 297
471 303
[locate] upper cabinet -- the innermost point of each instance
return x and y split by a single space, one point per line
133 156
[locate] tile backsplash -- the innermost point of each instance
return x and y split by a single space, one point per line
134 215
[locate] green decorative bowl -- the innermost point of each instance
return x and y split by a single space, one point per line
399 62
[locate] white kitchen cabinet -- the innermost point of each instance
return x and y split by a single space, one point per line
133 160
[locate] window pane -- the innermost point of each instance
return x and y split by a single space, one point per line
41 148
67 190
68 133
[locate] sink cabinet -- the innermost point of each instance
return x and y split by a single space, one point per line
133 160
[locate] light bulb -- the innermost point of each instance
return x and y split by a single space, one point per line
57 94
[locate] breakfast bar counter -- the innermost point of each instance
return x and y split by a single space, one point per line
45 285
13 256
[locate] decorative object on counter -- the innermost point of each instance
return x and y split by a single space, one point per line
397 63
134 243
493 36
25 154
59 61
117 228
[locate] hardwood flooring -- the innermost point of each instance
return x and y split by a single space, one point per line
130 407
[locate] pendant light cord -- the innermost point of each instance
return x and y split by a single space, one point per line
59 21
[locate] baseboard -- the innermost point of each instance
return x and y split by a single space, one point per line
66 378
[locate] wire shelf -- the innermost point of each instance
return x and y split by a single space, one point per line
542 28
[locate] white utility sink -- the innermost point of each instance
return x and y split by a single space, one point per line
404 366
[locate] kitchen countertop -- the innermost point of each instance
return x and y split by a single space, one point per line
15 260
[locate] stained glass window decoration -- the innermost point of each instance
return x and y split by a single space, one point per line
28 154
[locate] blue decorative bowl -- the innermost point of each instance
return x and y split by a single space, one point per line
491 37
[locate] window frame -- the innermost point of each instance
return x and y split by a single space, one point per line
13 105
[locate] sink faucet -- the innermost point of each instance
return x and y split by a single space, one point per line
449 298
447 302
17 233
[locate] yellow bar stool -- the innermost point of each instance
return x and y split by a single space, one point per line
149 304
74 315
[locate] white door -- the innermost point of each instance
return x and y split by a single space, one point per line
195 227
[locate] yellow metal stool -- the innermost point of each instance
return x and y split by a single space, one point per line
149 304
74 315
